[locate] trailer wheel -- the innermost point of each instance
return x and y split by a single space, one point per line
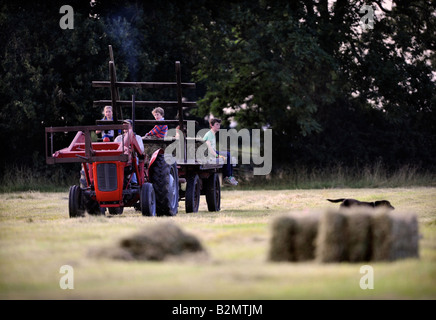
192 195
116 210
165 181
148 200
213 192
75 207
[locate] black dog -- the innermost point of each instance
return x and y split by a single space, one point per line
347 203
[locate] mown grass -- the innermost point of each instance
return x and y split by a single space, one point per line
37 238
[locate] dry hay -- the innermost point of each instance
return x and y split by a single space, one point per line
359 236
395 236
331 239
282 244
293 238
344 235
151 147
353 235
159 242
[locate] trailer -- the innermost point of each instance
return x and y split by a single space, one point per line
115 175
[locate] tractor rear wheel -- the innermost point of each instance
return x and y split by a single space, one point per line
213 192
192 195
165 181
75 206
148 200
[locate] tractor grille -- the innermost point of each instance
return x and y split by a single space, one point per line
107 176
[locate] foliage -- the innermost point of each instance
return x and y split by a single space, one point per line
330 91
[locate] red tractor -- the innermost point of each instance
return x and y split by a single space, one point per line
120 174
115 175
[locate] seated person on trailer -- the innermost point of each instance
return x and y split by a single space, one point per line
107 135
210 140
159 130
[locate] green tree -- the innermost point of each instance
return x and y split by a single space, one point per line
46 74
330 91
294 66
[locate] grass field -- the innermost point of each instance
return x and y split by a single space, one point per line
37 238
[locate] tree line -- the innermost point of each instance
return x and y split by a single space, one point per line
333 87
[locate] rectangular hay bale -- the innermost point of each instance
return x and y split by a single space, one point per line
332 237
305 237
293 238
395 236
358 235
344 235
281 243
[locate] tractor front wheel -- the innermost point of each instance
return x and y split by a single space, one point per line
148 200
75 206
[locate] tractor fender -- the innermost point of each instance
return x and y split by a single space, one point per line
153 158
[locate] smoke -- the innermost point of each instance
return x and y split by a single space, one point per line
125 37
